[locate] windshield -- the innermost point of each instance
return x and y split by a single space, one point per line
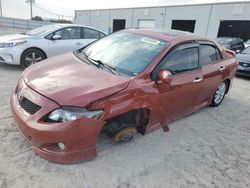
246 51
128 53
248 41
224 40
43 29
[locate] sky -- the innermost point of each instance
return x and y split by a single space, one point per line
65 8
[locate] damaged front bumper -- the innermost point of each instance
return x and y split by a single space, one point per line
78 137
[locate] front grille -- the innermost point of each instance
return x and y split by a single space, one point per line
29 106
243 64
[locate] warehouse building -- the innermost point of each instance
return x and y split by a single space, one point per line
213 20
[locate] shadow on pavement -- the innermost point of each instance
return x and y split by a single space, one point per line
10 67
243 77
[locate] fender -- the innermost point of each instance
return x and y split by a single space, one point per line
136 96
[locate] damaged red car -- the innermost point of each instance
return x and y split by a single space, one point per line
133 81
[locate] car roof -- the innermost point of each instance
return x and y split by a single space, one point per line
169 35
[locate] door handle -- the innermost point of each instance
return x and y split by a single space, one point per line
197 80
222 68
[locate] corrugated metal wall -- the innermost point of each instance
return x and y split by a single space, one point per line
21 23
207 16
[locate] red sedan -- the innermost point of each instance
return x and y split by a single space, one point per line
133 81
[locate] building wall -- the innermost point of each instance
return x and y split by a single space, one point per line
234 11
199 13
82 17
99 19
126 14
207 16
156 14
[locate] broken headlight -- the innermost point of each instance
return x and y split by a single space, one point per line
72 113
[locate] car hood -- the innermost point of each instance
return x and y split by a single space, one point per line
69 81
243 58
6 38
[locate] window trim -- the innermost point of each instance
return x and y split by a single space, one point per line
178 47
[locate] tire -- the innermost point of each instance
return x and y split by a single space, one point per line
31 56
219 94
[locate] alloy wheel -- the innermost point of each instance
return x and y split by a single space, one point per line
32 58
220 92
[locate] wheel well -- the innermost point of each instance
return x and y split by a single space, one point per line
228 84
36 49
136 117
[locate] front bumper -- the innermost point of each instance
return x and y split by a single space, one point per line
79 136
11 55
245 71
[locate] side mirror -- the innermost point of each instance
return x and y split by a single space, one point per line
166 76
56 37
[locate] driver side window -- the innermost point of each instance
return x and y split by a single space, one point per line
69 33
182 60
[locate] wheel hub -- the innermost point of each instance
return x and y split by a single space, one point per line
32 58
220 93
125 135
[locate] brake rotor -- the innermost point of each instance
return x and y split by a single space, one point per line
125 135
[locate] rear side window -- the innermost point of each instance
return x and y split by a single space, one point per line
182 60
208 54
102 35
91 33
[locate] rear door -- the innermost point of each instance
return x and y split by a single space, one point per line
180 96
212 67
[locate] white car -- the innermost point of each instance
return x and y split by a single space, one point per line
28 48
247 43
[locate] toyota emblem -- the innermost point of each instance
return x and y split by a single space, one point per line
20 95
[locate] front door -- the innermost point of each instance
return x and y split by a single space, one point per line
70 40
180 96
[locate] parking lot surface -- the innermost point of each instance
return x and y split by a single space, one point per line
210 148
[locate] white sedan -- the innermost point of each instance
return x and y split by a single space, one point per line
28 48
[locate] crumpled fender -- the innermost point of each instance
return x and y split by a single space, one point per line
139 94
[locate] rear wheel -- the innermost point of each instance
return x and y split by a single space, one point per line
219 94
31 56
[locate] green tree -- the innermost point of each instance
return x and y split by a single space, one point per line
37 18
60 21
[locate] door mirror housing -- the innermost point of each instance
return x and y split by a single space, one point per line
166 76
56 37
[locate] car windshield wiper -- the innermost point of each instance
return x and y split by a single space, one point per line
100 63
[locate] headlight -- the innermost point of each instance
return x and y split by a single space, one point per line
11 43
72 113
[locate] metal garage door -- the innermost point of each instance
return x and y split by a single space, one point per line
146 23
235 28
